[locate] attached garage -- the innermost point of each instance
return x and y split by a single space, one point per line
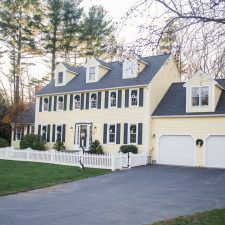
176 150
215 151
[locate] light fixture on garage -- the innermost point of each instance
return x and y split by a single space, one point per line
153 135
71 129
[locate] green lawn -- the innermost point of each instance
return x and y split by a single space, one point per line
23 176
214 217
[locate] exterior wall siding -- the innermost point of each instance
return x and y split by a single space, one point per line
198 127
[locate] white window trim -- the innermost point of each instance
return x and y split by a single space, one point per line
137 97
44 103
74 101
108 125
109 99
96 75
200 106
56 125
42 125
58 96
90 100
127 75
31 129
128 133
63 79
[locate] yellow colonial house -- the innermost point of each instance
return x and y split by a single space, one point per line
140 101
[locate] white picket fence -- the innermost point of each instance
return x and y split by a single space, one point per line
106 161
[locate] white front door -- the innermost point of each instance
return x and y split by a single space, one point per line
82 136
215 151
176 150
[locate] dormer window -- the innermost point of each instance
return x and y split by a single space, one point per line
60 78
76 101
93 101
200 96
92 74
45 104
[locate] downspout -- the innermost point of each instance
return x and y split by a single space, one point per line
148 119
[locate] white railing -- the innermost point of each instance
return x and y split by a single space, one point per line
105 161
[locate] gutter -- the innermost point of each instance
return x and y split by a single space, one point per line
186 116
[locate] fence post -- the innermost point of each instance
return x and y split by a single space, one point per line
121 160
130 159
53 156
113 162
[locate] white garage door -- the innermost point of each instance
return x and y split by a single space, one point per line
215 151
176 150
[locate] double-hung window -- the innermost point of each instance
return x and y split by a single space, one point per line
92 73
32 129
45 104
93 101
132 133
134 95
60 103
60 78
44 132
76 101
113 99
18 133
58 133
111 133
200 96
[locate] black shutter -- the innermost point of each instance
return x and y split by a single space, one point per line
106 99
141 97
55 102
71 102
105 134
126 98
125 133
48 133
82 101
40 105
99 100
53 133
140 133
65 102
64 133
39 129
28 129
117 133
87 101
50 104
119 99
22 131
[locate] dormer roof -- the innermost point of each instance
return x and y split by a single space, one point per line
70 68
104 64
112 79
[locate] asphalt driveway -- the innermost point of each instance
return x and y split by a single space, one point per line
132 197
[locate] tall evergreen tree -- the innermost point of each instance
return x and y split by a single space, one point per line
94 31
19 23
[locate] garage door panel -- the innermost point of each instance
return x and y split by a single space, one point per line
215 151
176 150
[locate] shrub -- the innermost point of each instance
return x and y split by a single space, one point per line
129 148
33 141
59 145
3 143
96 148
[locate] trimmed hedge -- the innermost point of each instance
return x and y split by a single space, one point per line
3 143
33 141
129 148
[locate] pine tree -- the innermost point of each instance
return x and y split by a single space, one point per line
19 24
95 28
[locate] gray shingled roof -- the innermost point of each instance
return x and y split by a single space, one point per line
27 116
112 79
174 102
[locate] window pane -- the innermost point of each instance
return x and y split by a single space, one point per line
205 96
113 99
60 103
45 104
59 133
112 133
77 102
44 132
195 92
92 73
60 77
93 100
134 97
133 133
195 101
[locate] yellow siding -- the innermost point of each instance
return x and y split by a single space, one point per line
167 75
198 127
217 94
98 117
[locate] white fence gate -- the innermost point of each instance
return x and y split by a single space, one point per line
105 161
